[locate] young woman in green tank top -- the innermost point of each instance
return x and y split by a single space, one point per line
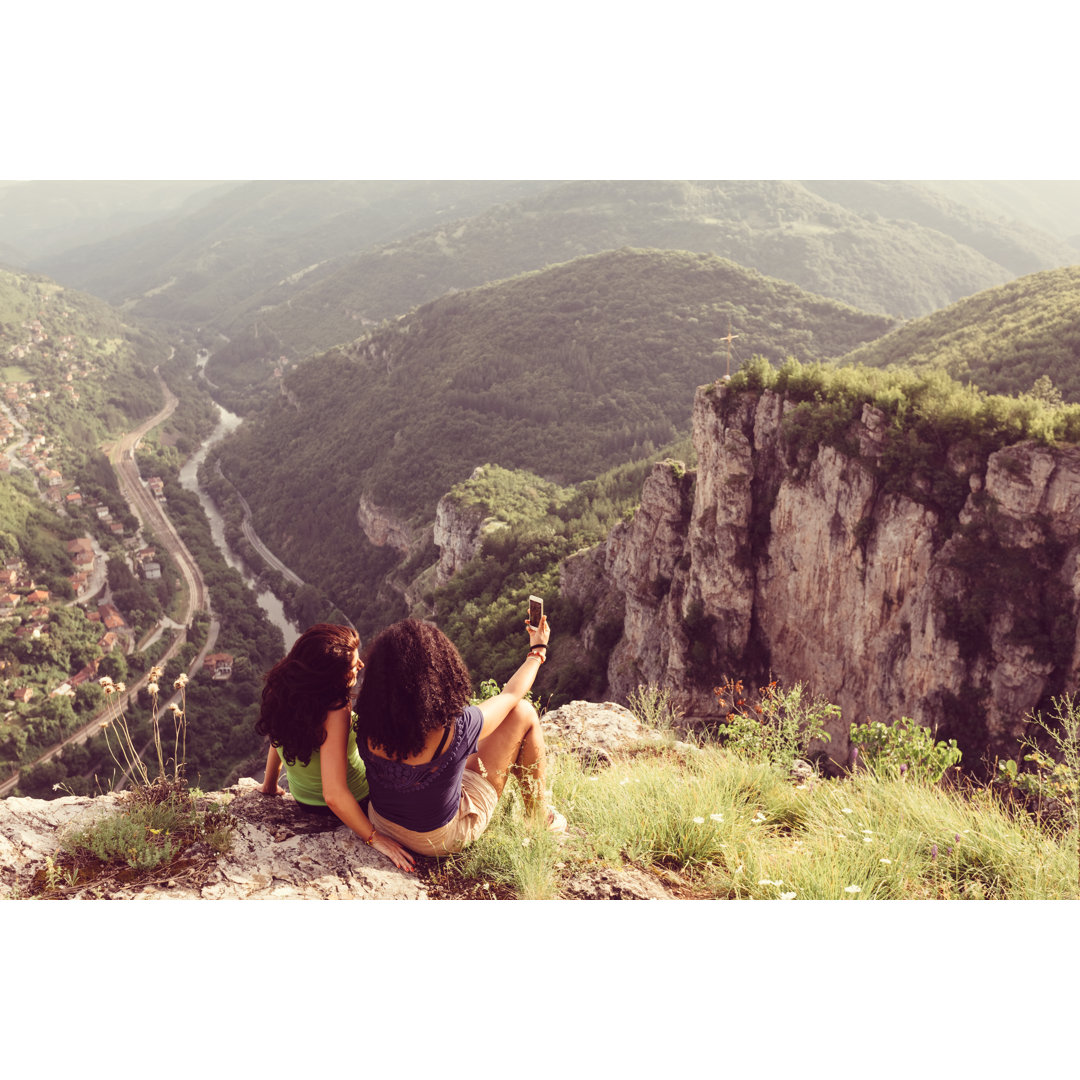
306 712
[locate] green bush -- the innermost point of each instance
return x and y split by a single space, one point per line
904 749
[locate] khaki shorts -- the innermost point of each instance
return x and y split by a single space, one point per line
478 802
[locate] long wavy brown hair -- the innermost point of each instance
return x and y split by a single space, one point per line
414 682
301 688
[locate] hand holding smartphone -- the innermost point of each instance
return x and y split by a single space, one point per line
536 611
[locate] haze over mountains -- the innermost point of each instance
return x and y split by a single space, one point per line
315 262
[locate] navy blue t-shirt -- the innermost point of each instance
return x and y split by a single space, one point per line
426 796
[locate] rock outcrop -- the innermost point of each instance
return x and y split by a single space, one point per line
807 563
382 528
281 852
459 533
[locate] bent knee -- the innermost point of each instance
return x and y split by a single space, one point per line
524 713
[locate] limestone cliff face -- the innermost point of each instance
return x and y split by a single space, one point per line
459 534
382 528
812 565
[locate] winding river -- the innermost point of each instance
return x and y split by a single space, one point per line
273 607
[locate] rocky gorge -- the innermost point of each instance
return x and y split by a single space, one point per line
814 563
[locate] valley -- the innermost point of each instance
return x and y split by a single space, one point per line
448 396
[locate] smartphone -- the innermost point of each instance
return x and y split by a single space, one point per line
536 611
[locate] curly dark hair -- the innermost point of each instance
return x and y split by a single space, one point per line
414 682
300 689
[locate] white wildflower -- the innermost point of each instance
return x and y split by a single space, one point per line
787 896
887 862
852 888
699 821
846 810
716 817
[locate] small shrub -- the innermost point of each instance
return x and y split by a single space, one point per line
778 728
904 750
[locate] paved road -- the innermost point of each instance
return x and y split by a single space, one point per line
151 517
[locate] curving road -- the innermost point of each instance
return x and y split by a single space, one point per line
152 518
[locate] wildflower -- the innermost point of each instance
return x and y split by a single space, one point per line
868 831
800 787
594 779
887 862
699 821
758 819
105 680
104 723
624 780
174 708
787 896
716 817
903 768
846 810
56 787
121 687
956 837
933 852
152 688
766 881
527 841
181 682
852 889
867 839
156 673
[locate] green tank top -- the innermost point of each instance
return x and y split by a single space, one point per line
305 781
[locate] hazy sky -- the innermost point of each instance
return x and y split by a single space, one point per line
123 89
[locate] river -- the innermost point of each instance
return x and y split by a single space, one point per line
273 607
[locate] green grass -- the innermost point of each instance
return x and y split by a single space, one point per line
736 829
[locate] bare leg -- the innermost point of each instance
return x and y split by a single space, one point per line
516 746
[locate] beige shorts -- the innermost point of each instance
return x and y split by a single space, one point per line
478 802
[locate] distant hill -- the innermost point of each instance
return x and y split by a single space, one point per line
39 218
1002 339
838 242
565 372
314 263
1053 206
91 370
1019 248
214 263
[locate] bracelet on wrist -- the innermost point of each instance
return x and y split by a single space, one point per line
536 656
371 839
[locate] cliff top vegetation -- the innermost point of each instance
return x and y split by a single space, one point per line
1003 339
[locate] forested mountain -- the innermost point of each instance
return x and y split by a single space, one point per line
311 263
93 370
1019 248
39 218
1052 206
565 372
221 262
1003 339
841 246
